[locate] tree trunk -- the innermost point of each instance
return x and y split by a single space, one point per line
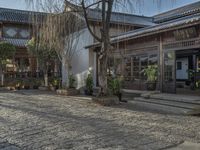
46 79
2 76
46 75
65 73
37 67
103 69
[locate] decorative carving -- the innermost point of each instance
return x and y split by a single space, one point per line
11 32
25 33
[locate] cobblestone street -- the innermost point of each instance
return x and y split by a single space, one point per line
30 120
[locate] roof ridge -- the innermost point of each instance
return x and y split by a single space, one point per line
20 10
185 6
123 13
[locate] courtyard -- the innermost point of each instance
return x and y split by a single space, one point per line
36 120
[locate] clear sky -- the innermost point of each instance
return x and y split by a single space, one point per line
147 7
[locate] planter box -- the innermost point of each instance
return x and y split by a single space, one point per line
43 88
107 101
35 87
67 92
12 88
52 88
4 88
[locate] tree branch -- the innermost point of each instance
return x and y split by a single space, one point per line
87 22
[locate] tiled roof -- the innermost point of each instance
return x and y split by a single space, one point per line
19 16
178 12
116 17
154 29
22 16
16 42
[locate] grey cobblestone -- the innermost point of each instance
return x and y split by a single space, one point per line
34 121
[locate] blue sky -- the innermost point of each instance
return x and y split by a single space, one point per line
147 7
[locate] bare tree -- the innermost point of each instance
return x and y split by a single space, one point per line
43 54
60 30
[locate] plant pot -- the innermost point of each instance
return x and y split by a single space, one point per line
68 92
107 100
18 87
151 86
43 88
188 82
12 88
52 88
35 87
26 87
88 92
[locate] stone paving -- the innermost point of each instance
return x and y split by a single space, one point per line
34 121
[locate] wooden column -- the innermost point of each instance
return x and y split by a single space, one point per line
161 65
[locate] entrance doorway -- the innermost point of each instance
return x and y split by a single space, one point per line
182 66
187 72
181 72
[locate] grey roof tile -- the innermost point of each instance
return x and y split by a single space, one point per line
178 12
116 17
19 16
16 42
153 29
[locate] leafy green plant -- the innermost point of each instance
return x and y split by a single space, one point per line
89 84
198 84
151 72
191 74
71 81
114 85
7 51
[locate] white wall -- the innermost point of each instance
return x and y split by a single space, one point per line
80 61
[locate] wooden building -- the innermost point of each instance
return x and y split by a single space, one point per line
16 29
173 42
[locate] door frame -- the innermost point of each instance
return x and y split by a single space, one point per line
167 86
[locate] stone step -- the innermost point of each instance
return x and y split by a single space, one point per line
178 98
159 107
168 103
136 93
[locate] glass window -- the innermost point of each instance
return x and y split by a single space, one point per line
179 65
136 67
198 63
144 64
168 66
153 59
127 68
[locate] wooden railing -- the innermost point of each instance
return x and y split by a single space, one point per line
180 45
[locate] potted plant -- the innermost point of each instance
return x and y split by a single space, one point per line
191 81
18 84
115 86
89 85
36 83
22 84
71 81
27 85
151 72
56 83
70 90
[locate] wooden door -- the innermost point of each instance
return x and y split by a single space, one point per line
169 72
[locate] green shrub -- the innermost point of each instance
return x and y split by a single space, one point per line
115 85
89 84
151 72
198 84
71 81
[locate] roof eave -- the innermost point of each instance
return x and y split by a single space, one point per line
145 34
